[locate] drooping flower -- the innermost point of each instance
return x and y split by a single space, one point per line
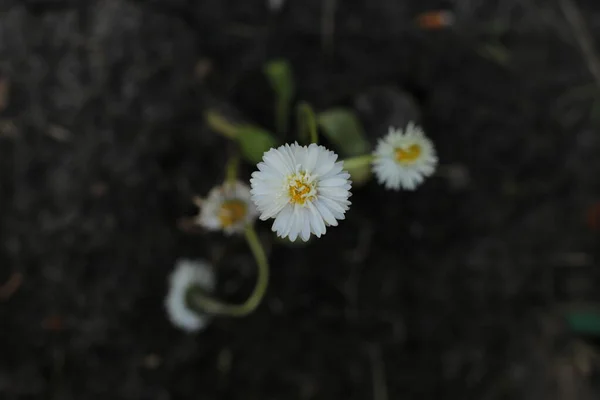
304 188
227 207
403 159
188 275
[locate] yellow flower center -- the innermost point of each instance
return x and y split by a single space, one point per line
232 212
301 189
408 155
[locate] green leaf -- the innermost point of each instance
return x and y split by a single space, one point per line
343 129
254 141
307 124
280 76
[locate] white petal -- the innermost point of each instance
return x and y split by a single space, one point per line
294 226
333 182
312 157
313 165
325 212
282 220
316 221
305 234
188 273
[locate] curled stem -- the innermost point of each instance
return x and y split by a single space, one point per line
203 303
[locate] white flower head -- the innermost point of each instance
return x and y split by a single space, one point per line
404 159
303 188
228 208
188 274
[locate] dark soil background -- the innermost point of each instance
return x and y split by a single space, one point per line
453 291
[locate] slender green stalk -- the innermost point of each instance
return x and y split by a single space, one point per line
358 161
282 110
203 303
232 169
220 124
307 124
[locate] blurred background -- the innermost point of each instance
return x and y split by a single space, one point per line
482 284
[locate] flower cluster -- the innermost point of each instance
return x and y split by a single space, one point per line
305 190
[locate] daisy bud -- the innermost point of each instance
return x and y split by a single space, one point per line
403 159
227 208
187 277
303 188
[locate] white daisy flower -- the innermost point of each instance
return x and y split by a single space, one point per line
404 159
303 188
227 207
188 275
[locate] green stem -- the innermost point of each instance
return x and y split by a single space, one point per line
232 169
205 304
358 161
281 116
307 123
218 123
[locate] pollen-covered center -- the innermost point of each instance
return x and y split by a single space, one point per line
232 212
301 188
408 155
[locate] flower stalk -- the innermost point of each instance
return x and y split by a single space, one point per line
218 123
358 161
232 169
307 124
201 302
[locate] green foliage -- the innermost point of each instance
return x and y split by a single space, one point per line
359 168
343 129
307 124
280 76
339 125
220 124
254 141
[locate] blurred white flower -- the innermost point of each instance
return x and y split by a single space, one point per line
227 207
303 188
404 159
188 274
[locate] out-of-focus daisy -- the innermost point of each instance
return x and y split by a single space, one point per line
188 276
403 159
303 188
227 207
